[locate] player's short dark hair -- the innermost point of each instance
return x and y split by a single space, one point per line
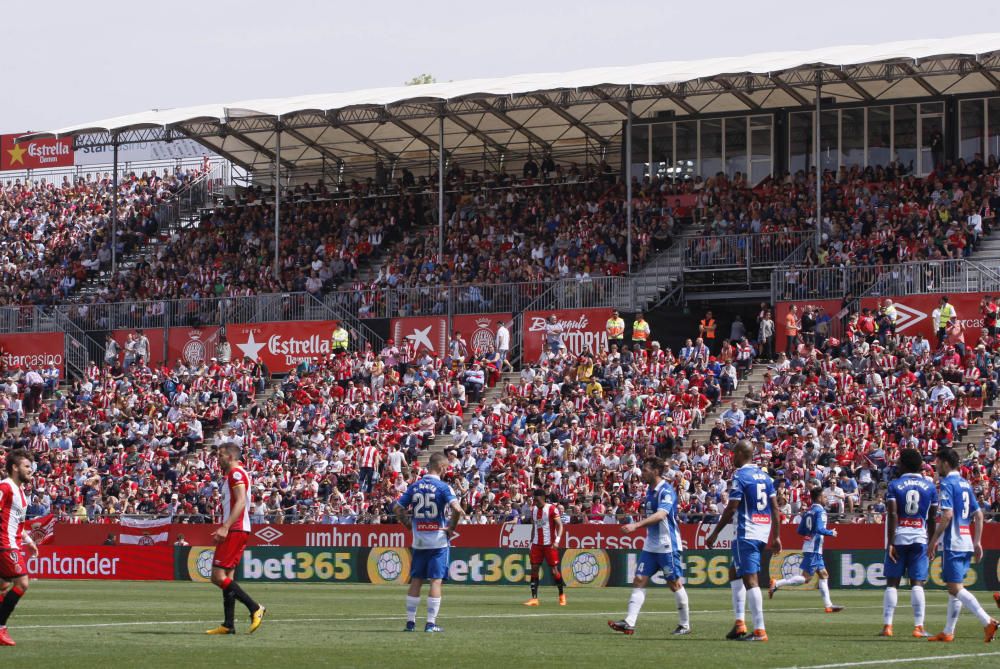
910 461
437 461
654 463
539 492
949 455
815 493
231 448
15 457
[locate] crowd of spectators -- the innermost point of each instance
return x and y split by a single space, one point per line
53 236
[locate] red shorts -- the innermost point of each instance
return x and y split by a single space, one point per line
547 554
230 551
12 564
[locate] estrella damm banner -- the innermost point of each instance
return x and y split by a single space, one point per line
580 567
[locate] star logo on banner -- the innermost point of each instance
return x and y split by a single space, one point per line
251 349
16 155
421 338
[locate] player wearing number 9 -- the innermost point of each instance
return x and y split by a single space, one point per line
960 530
422 508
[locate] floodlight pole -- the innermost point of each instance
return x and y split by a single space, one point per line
277 204
819 169
114 205
441 188
628 179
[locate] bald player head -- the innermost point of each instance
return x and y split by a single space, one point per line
437 463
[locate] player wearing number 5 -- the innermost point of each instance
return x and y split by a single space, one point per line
960 530
752 501
422 508
662 551
813 528
912 505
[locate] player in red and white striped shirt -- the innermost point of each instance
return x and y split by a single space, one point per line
13 507
546 533
231 538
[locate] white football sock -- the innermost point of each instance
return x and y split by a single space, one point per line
824 592
756 602
917 602
969 602
794 580
739 593
411 608
682 607
889 600
433 606
635 601
954 608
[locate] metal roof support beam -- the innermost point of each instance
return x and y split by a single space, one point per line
614 104
905 67
313 144
794 94
986 74
572 120
261 149
677 100
853 85
371 144
211 147
514 124
413 132
473 130
736 93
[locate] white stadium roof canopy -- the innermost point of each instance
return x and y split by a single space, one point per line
561 112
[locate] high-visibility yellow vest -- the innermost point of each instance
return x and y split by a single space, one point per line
640 331
616 328
340 338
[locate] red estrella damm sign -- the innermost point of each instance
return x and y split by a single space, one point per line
35 154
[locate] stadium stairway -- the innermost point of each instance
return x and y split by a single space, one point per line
439 442
755 378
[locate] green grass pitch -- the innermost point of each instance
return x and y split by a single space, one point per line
61 624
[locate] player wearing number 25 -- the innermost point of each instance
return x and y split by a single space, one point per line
423 509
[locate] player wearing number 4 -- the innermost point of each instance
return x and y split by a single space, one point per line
753 502
422 509
813 528
911 503
662 551
960 527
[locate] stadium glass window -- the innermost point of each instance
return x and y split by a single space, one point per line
993 123
800 141
852 137
971 127
640 152
663 148
711 148
686 150
904 136
761 148
829 140
879 136
736 146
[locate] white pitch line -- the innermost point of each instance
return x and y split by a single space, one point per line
905 660
492 616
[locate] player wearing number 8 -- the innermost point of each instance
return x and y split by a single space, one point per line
960 529
423 509
911 505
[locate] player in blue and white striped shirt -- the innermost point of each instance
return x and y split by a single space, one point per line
813 527
960 531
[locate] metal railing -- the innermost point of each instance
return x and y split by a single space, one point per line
750 250
933 276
